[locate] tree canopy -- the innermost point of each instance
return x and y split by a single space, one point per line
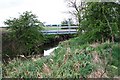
101 21
67 22
24 32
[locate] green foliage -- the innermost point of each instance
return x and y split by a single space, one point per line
74 58
70 60
101 21
67 22
24 33
110 54
65 63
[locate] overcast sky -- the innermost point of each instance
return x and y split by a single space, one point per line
49 11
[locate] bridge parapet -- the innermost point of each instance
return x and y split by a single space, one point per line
62 30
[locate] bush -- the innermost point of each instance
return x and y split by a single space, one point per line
24 34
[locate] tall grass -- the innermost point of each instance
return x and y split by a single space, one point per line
70 60
110 53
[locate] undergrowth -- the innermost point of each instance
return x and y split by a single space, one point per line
70 60
110 53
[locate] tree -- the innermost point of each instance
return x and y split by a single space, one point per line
101 21
24 33
77 11
67 22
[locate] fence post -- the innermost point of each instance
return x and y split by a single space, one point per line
69 26
57 28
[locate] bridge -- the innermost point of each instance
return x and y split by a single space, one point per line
61 30
55 29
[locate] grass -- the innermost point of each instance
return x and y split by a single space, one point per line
51 28
71 60
110 53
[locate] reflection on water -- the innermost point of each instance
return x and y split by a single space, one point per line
47 52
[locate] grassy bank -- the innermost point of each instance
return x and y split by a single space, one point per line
72 59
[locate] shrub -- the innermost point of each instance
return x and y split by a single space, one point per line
24 34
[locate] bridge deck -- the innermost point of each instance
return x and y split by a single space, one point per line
71 31
62 30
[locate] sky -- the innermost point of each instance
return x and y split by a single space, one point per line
48 11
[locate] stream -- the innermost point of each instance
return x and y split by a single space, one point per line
49 51
45 49
50 46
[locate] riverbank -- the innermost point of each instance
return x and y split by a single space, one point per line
50 41
70 60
